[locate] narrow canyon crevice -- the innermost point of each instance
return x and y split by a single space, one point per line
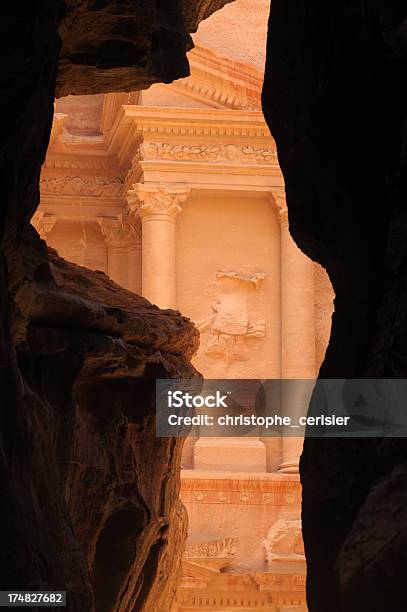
335 100
89 496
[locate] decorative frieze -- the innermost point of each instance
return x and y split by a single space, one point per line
217 152
226 601
241 498
261 492
75 163
96 186
215 590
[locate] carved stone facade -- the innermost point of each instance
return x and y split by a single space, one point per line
214 574
176 194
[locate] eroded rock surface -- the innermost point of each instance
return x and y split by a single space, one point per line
89 497
335 98
99 511
122 45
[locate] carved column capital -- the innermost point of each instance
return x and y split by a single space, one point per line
43 223
119 233
161 199
281 204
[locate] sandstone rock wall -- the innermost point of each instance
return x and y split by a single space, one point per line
335 99
89 497
100 497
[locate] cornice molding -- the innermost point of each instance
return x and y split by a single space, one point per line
136 124
221 81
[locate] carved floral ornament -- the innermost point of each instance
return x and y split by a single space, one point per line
82 185
147 199
219 152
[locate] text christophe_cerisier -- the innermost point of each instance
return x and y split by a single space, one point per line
179 399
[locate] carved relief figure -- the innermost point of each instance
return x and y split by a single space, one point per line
284 541
231 325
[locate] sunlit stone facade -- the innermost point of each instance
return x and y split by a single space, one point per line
176 193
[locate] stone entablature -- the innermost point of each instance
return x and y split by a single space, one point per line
136 124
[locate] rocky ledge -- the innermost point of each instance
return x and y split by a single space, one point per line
94 493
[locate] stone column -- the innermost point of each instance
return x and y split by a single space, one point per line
297 332
119 236
134 260
158 207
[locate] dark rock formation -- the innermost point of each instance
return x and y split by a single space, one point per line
335 97
122 45
101 491
88 495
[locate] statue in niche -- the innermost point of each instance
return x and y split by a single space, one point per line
231 325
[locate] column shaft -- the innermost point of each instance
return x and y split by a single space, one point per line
117 265
120 236
158 206
298 337
158 259
134 264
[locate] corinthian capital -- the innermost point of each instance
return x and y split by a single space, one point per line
43 223
281 204
118 232
150 199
